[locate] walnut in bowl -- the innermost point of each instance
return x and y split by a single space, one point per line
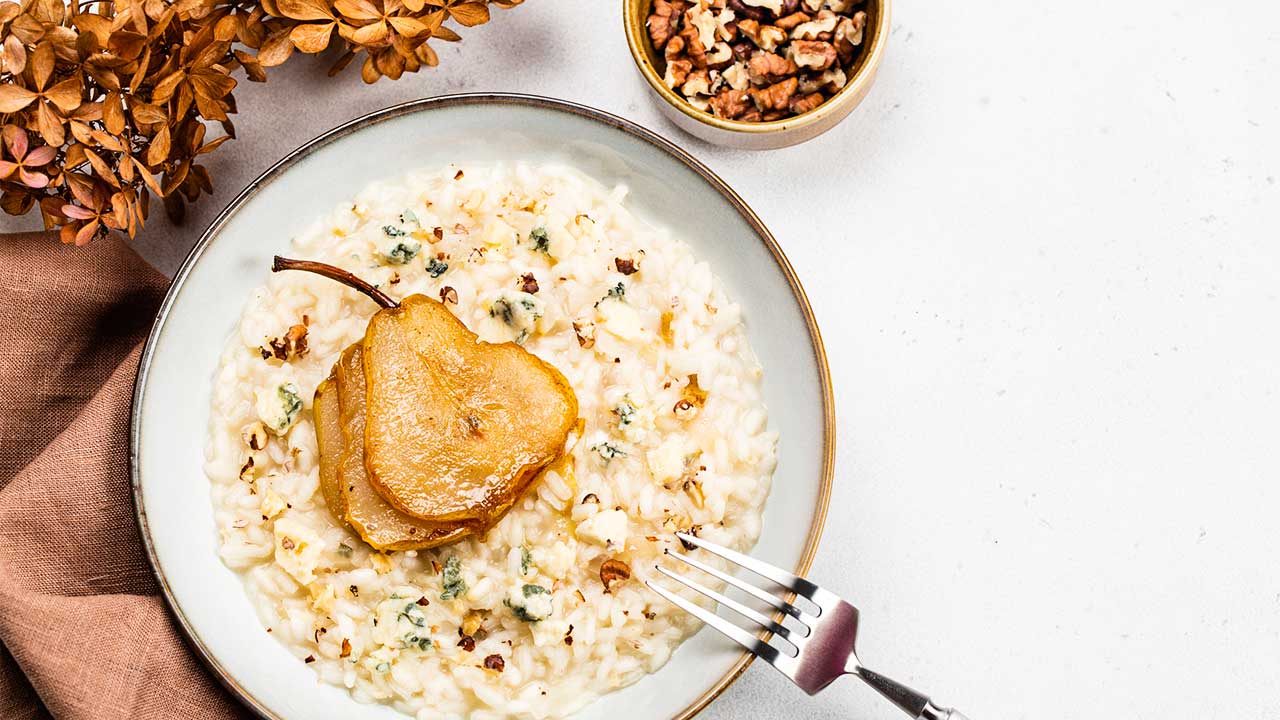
757 73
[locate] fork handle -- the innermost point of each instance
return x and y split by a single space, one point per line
916 704
933 712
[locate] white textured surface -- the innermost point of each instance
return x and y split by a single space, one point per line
1044 254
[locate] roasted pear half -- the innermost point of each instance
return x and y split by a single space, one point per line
330 442
456 428
378 522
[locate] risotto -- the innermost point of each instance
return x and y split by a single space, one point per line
673 436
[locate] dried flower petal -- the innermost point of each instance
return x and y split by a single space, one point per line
312 38
470 13
107 104
14 98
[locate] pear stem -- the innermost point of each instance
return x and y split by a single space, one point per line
335 273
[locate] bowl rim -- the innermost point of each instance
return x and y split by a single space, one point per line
420 105
852 92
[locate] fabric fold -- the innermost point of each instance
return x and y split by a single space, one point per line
84 633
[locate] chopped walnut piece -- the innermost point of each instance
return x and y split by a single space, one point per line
699 83
823 25
773 6
730 103
743 10
586 332
448 295
677 72
736 77
771 37
848 37
494 662
292 345
255 436
766 68
833 79
614 571
790 22
726 25
813 54
467 643
693 47
703 21
774 97
662 23
626 266
675 48
752 115
804 103
720 56
529 283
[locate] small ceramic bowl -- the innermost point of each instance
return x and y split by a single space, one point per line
759 135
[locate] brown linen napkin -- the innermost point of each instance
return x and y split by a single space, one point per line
83 630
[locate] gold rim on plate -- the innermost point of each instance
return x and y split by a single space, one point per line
135 412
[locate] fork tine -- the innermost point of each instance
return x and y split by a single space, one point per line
732 604
795 584
751 643
746 587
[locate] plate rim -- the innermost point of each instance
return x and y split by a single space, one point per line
660 143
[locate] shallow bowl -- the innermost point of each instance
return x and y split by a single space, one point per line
170 415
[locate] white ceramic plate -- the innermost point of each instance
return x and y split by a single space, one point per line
668 187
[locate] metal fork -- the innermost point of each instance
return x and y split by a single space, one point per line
824 644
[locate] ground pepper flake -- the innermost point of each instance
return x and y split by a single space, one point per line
494 662
346 648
